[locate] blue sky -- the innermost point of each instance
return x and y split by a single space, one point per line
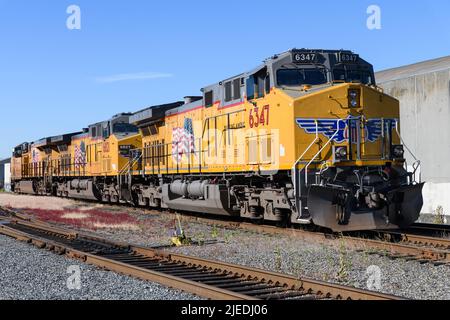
135 53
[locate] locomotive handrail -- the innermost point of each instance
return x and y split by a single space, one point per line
310 146
131 163
403 142
294 168
128 167
321 149
417 163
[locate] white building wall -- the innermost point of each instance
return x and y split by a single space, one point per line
436 195
7 177
425 117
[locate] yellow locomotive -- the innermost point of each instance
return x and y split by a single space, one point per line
305 138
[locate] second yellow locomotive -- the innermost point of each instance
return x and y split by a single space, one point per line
305 138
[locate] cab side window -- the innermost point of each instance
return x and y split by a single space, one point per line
209 99
105 134
228 93
268 85
237 89
258 85
250 84
232 90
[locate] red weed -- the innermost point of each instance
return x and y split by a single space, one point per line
93 218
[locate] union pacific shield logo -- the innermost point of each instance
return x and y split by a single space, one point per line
340 128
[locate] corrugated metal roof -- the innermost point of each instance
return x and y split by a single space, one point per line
413 70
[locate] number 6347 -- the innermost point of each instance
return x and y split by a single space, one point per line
259 117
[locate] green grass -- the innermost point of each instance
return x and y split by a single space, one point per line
214 232
345 264
439 217
278 259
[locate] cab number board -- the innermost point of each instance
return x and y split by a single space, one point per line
348 57
305 57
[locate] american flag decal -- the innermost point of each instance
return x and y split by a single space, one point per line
35 156
80 155
183 140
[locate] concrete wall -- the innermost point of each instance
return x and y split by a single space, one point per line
425 128
7 178
5 174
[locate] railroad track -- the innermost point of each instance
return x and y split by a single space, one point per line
423 242
429 228
396 245
416 240
206 278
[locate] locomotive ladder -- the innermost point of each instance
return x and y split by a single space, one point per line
47 173
300 198
124 176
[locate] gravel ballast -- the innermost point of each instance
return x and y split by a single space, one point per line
28 273
280 253
408 279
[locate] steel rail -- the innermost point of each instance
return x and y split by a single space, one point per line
412 247
429 228
419 240
206 278
395 244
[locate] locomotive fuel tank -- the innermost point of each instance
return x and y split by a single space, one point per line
83 189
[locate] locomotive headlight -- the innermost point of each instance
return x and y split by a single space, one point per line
340 153
353 94
398 151
353 98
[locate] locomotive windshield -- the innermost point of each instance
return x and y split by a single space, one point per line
298 77
346 75
315 68
124 128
